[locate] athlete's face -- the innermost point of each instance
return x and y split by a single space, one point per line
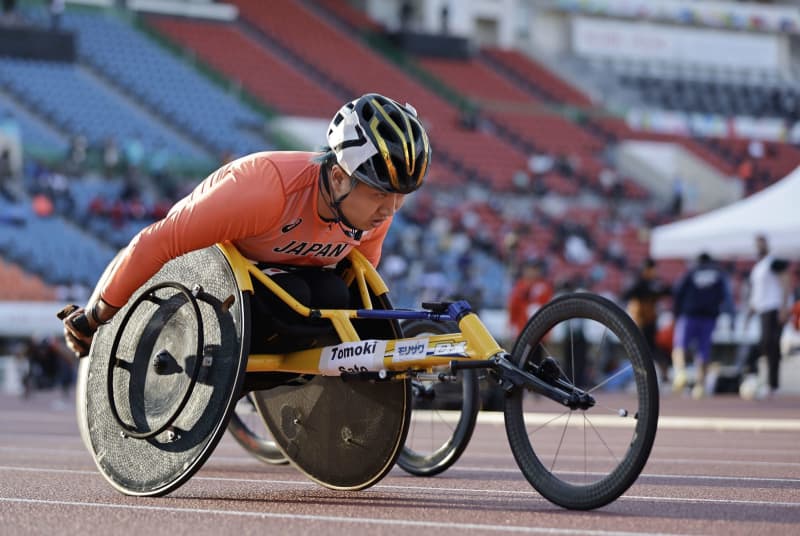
365 207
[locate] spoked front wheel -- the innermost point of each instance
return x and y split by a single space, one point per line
247 427
444 412
584 458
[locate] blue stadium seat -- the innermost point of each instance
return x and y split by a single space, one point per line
35 133
160 80
56 250
80 103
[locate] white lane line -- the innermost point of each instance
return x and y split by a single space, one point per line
431 489
332 519
664 422
534 418
469 469
710 501
82 452
753 479
652 460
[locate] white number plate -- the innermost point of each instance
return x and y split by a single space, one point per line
360 356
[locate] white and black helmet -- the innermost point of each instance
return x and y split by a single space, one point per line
380 142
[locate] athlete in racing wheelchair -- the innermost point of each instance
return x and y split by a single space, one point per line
293 239
298 213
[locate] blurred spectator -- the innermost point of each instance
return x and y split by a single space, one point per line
577 250
434 286
56 12
394 267
567 165
470 118
530 291
676 204
9 128
755 149
745 171
56 187
6 189
10 150
699 297
445 18
111 157
134 152
642 298
539 164
42 205
406 14
469 286
521 181
159 160
76 160
611 185
770 300
615 253
8 17
49 366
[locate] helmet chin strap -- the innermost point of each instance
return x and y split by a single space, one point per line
335 205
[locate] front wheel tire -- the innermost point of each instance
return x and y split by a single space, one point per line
584 459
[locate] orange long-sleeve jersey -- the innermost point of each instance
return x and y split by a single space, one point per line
264 203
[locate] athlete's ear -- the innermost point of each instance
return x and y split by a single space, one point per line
337 174
340 181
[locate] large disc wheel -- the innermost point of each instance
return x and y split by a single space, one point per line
443 412
159 385
248 429
584 458
344 433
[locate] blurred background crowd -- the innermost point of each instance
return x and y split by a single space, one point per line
564 133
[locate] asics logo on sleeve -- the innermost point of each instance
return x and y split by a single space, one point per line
289 226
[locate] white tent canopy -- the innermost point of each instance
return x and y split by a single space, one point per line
730 231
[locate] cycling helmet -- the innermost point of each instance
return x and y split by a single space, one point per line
380 142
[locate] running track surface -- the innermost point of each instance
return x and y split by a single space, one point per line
721 466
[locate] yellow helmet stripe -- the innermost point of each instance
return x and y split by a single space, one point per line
382 143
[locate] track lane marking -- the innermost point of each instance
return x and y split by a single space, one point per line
430 489
497 418
334 519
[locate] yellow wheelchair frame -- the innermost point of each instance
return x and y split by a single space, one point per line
474 340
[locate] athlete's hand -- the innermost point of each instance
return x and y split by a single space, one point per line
78 329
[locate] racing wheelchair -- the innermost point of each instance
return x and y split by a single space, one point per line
162 380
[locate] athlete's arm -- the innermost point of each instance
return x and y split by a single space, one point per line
236 202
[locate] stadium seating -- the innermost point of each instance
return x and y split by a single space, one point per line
164 83
259 70
35 134
351 17
713 95
79 103
531 74
348 63
51 248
